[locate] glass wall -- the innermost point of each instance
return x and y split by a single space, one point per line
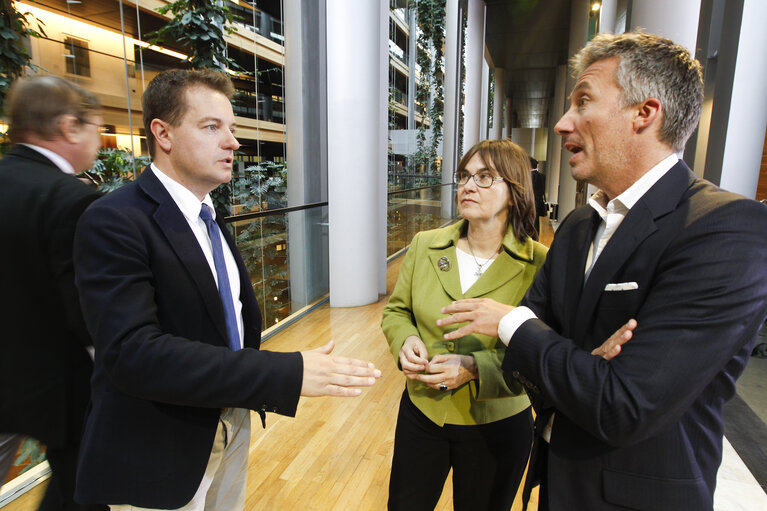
106 46
416 104
413 210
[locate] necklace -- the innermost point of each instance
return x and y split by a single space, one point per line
478 272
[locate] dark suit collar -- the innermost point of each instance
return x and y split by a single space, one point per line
182 240
22 151
662 198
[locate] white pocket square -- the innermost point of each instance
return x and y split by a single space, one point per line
622 286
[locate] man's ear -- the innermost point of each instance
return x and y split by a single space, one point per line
162 135
647 113
70 128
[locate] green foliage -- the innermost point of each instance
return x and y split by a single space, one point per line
261 186
113 168
199 25
14 56
429 56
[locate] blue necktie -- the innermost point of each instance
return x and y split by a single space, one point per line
224 289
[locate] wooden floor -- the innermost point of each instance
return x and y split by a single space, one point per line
336 453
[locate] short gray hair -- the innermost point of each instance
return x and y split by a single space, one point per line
652 66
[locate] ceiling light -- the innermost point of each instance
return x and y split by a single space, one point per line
596 6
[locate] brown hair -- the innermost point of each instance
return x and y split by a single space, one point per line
164 96
35 104
512 163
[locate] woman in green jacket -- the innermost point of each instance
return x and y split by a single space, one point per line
457 410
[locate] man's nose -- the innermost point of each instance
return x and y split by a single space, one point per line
231 141
564 124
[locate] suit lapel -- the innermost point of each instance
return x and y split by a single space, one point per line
450 279
637 226
579 245
176 230
503 269
639 223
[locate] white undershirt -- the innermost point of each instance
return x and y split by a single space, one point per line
467 268
190 207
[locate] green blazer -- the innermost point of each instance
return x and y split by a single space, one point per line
423 289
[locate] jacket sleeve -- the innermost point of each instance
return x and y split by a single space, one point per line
398 322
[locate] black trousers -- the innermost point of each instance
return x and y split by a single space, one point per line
488 461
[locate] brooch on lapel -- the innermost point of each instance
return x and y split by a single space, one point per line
444 263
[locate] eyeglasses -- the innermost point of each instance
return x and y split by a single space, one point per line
101 127
482 179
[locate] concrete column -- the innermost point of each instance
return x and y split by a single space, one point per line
677 20
381 218
608 16
475 51
452 95
306 148
498 104
509 118
484 101
739 110
354 89
579 24
555 141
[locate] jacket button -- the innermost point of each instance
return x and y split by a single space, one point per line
264 408
274 409
450 345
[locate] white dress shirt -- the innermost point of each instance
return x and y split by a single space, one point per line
190 207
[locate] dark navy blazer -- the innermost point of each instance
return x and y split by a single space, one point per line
644 431
163 370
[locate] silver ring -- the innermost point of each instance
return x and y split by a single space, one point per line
442 387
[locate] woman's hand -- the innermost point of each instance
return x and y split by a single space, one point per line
448 371
611 348
413 357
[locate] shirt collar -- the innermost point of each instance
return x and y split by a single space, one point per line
636 191
56 158
186 201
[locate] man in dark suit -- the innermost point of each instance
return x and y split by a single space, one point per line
44 366
175 321
681 256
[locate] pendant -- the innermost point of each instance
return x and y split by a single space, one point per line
478 272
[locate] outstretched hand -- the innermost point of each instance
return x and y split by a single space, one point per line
326 375
611 348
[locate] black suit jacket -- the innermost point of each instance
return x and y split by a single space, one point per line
44 368
644 431
163 370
